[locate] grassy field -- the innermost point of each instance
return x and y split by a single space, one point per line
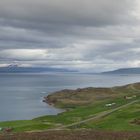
121 120
83 104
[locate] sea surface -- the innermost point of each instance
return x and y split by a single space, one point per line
21 95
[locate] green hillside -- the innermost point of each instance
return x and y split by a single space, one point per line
116 108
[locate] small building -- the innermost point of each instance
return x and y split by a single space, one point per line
109 105
8 130
129 97
134 96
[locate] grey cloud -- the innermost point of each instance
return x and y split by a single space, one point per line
56 23
85 12
80 34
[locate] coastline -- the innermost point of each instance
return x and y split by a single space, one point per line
82 107
68 98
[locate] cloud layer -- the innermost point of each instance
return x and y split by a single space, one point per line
81 34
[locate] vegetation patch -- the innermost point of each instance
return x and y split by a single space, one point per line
74 135
114 109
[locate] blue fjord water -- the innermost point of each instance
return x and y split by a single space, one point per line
21 95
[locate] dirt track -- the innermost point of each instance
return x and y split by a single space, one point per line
100 115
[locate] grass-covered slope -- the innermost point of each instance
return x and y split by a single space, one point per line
82 97
88 108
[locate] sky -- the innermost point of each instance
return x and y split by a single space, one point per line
84 35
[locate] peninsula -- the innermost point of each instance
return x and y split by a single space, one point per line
88 110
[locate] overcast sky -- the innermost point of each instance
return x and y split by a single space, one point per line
87 35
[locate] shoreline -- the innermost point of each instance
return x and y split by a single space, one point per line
83 106
59 96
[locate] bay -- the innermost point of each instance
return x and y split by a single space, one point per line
21 95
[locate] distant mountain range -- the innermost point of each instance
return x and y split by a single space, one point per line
20 69
124 71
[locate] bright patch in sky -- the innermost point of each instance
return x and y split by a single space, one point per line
24 54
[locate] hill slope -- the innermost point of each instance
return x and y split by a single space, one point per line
124 71
113 109
19 69
74 135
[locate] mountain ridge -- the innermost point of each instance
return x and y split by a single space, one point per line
135 70
21 69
